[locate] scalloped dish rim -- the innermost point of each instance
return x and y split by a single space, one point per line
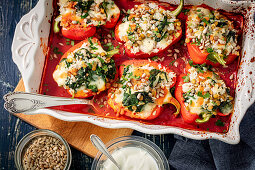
28 52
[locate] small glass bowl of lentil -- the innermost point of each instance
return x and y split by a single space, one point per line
43 149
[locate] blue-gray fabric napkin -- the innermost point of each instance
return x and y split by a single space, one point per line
214 154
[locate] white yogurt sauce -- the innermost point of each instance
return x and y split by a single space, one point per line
131 158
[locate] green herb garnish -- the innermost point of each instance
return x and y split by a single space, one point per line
113 34
109 46
186 78
219 123
206 95
205 21
172 62
92 44
72 43
209 50
185 11
56 51
133 103
154 58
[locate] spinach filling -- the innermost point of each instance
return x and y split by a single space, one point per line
225 107
92 44
126 76
163 24
104 6
83 7
187 96
133 103
86 75
200 67
231 34
160 34
66 62
137 101
214 56
156 76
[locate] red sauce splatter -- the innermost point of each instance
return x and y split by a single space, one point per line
166 118
252 59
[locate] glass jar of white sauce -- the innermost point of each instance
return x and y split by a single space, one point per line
132 153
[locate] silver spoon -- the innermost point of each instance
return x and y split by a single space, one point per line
97 142
22 102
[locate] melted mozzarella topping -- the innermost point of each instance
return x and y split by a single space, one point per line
112 10
138 81
147 45
204 92
123 28
98 13
60 75
212 32
147 110
99 82
148 28
79 65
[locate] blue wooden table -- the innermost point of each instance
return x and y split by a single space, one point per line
12 129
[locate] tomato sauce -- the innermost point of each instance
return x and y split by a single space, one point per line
172 58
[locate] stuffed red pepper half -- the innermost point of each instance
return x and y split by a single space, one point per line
142 89
79 18
211 37
148 29
202 94
86 69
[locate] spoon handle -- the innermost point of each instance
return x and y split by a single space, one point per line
22 102
97 142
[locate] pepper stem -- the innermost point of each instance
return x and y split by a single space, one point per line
205 118
112 52
56 28
177 105
214 57
178 9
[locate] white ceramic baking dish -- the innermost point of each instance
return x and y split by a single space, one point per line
29 49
